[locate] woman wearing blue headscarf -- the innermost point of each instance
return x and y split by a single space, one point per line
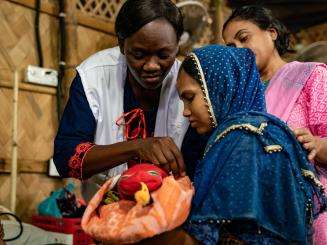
254 184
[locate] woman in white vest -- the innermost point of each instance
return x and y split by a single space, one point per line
140 73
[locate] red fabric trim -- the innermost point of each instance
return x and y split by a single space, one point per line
127 119
76 161
134 128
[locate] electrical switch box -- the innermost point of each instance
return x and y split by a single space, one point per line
41 76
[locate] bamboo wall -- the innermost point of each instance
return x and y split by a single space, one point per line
37 116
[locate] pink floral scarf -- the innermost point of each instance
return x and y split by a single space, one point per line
285 87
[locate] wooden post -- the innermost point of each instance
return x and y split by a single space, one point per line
72 58
218 19
13 173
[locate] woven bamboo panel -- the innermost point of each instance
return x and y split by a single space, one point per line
103 9
5 123
36 125
36 115
17 44
31 190
90 41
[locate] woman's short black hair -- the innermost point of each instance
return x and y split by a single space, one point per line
264 19
134 14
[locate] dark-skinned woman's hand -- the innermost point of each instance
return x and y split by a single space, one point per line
162 151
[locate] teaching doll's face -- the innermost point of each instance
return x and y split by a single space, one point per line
195 107
151 52
245 34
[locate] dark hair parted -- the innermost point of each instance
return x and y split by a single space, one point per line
264 19
134 14
190 66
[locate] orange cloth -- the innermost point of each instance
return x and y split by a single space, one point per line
127 222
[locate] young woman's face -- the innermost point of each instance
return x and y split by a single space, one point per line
245 34
150 52
195 107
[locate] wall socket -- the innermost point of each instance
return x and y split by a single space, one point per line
42 76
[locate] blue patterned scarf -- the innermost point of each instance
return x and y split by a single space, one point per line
254 170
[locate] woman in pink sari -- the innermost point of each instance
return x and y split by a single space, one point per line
295 92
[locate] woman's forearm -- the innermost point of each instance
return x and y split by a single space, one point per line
158 150
104 157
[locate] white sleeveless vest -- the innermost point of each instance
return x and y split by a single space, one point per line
103 77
